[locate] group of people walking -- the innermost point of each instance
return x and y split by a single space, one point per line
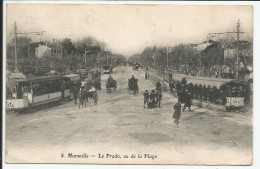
184 96
153 99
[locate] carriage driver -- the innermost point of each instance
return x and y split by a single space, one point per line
110 80
132 78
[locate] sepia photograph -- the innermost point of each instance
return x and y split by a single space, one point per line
128 84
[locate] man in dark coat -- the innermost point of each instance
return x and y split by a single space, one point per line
152 99
75 92
132 78
158 98
178 87
158 86
187 100
177 112
110 80
146 99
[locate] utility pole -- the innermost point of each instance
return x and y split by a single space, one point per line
107 57
167 57
85 57
15 44
237 32
154 59
15 50
98 59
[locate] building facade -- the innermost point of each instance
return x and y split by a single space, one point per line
41 50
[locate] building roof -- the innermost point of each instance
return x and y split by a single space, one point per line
202 46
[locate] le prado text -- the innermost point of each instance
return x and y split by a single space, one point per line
112 156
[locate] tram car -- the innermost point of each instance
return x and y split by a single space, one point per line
106 69
25 93
236 93
228 92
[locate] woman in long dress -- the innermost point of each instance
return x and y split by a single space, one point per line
177 112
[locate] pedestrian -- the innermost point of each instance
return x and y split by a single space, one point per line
158 86
158 98
152 99
178 87
177 112
75 93
187 100
146 75
146 99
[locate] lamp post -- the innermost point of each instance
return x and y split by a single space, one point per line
85 58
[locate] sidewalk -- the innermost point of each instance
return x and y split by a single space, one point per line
205 104
154 79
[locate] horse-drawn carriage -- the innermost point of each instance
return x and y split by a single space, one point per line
135 66
85 94
111 85
133 86
97 83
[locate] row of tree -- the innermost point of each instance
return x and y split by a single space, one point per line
188 56
87 52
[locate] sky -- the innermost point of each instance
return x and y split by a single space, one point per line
128 29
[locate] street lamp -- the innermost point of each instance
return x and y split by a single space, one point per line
85 57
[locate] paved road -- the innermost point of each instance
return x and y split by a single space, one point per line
119 124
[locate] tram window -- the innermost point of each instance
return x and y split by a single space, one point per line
14 89
56 87
37 89
46 89
8 92
19 91
27 88
67 84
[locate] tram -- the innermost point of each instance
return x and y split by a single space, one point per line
228 92
107 69
25 93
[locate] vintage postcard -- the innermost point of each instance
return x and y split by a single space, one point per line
128 84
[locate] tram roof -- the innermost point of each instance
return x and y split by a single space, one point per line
72 75
34 79
207 81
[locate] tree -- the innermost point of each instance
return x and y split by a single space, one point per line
68 46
